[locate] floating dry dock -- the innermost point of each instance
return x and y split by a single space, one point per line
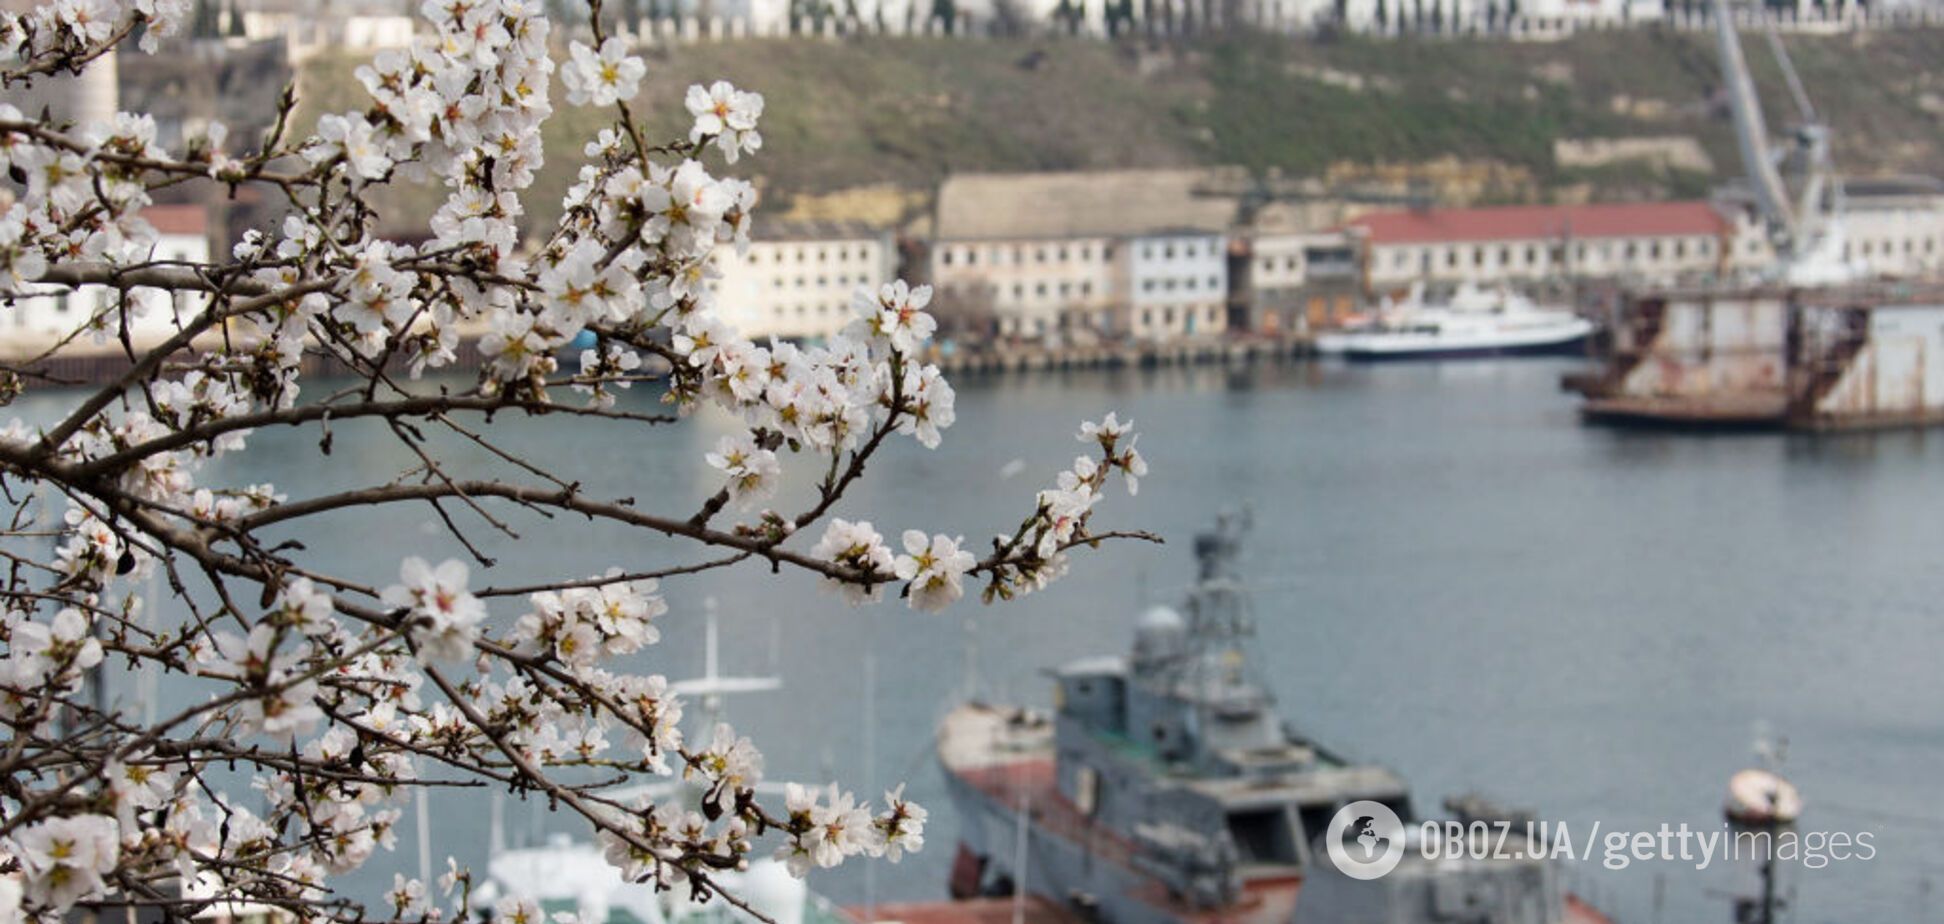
1844 357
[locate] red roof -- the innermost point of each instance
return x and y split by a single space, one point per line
178 219
1527 222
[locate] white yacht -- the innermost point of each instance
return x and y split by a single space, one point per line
1474 322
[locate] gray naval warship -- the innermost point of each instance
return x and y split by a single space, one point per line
1164 787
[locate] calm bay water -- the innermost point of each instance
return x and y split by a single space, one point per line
1453 577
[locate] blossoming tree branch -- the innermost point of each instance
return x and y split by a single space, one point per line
339 695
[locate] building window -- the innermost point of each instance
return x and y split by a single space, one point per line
946 257
1214 282
1039 255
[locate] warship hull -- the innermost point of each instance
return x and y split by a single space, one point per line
1017 830
1062 854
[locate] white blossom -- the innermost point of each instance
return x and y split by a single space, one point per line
332 696
444 618
726 116
935 568
64 860
602 78
857 546
893 316
752 470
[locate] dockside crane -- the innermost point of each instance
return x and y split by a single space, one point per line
1805 230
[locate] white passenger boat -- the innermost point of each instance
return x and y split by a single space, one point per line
1474 322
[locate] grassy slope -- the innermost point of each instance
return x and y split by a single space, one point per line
909 111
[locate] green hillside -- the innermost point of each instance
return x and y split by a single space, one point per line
908 111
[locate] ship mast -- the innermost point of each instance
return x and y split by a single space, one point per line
1213 663
1217 613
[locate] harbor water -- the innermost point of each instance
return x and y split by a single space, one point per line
1453 576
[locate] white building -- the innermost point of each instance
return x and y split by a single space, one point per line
1892 226
1177 284
1895 226
1065 257
1640 242
797 280
1034 288
39 321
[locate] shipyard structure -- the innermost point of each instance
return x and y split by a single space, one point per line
1817 333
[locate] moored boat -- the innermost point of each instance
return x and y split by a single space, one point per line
1473 322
